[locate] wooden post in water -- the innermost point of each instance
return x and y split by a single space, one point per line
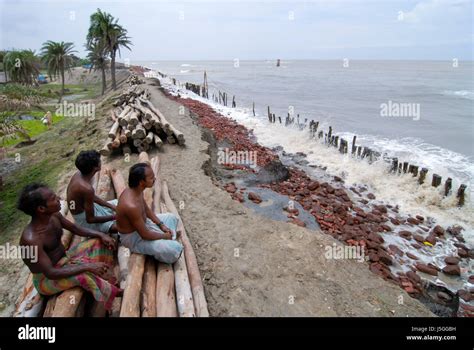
279 118
422 177
354 144
359 151
394 165
447 186
329 134
436 181
405 167
233 101
460 195
253 108
335 141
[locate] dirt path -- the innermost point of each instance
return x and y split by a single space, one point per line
253 266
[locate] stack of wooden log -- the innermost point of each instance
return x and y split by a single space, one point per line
151 288
138 125
134 79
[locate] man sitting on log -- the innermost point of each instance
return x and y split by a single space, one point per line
54 269
88 209
140 229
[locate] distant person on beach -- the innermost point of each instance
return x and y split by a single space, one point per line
48 119
140 229
88 209
87 264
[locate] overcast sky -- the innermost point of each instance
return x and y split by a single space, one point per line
195 30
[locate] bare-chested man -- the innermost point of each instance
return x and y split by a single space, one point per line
140 229
88 209
54 269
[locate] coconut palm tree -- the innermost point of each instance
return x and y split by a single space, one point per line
22 66
118 39
97 55
58 58
104 27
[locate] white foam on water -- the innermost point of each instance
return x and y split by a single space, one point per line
467 94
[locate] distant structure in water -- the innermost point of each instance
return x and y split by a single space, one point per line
278 62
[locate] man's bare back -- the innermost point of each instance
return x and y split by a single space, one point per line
77 190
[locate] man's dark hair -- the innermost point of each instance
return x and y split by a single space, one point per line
31 198
87 160
136 174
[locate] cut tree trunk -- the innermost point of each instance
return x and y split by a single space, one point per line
195 279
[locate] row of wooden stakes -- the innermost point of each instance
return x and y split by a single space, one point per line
369 154
151 288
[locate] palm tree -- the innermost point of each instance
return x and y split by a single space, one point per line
104 27
118 39
58 58
21 66
97 55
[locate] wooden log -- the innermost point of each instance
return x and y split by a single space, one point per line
116 142
133 286
436 180
460 195
184 292
147 124
105 151
165 291
422 177
155 165
148 302
68 302
117 303
405 167
157 140
123 136
149 137
447 186
113 130
118 181
165 124
124 116
394 165
139 132
134 118
178 134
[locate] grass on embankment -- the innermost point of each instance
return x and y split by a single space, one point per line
46 161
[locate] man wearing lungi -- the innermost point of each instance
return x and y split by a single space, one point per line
140 229
86 264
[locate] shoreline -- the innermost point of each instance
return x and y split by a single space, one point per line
255 266
364 228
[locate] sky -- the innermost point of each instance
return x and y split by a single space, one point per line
246 30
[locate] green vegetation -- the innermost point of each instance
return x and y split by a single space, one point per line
31 127
106 34
58 58
21 66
